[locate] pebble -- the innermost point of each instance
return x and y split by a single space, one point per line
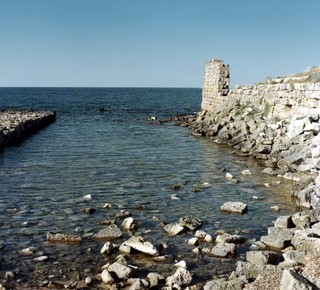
9 275
27 251
88 281
107 205
275 208
246 172
181 264
229 175
41 258
87 197
174 197
193 241
257 197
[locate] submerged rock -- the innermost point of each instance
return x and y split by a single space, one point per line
173 229
109 233
63 238
122 214
191 223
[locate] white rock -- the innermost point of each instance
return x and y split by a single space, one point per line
208 238
196 251
223 250
257 197
173 229
27 251
107 248
88 281
106 277
139 244
87 197
246 172
107 205
41 258
137 284
229 175
122 271
129 224
293 281
174 197
154 279
124 249
236 207
181 277
181 264
200 234
193 241
275 208
206 185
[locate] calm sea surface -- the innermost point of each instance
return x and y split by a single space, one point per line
120 158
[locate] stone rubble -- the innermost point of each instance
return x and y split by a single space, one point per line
18 125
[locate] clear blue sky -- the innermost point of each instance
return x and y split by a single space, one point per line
153 43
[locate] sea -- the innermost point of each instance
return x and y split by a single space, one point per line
88 158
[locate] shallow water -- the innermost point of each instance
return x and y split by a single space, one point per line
120 158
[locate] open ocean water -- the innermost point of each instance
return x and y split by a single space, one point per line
121 158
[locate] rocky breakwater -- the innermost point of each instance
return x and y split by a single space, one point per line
17 125
288 146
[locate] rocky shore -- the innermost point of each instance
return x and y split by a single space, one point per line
17 125
286 257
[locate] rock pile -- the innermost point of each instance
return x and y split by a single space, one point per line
17 125
287 148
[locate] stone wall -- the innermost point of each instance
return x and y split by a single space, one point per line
276 100
215 86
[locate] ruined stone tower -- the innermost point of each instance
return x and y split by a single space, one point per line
215 86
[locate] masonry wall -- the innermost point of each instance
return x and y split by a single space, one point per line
215 86
282 100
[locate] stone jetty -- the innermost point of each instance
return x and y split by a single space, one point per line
17 125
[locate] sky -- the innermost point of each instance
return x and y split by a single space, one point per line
153 43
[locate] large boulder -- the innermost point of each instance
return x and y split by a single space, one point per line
262 257
219 284
294 281
311 270
277 238
252 271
